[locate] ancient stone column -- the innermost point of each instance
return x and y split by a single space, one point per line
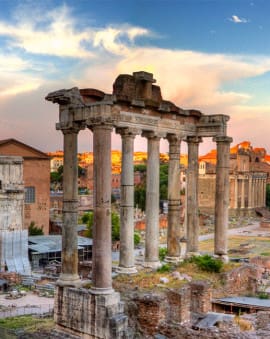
243 192
174 187
152 201
236 192
222 195
102 258
126 262
69 274
264 192
250 192
192 210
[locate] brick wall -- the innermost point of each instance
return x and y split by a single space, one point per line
201 295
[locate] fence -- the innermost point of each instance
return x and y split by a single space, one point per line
26 310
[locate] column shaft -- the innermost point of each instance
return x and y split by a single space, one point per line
243 192
69 275
152 201
250 191
222 194
126 263
192 195
102 258
236 192
174 187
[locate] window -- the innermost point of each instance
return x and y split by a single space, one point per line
30 195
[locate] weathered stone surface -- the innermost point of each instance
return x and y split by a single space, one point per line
77 311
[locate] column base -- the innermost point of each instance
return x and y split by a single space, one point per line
173 260
126 270
152 264
85 315
72 280
222 257
192 254
101 291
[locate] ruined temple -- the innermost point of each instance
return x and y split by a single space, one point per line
135 107
249 174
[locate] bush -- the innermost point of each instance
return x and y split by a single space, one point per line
137 238
35 230
164 268
207 263
162 252
263 295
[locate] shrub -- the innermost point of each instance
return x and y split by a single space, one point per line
35 230
162 252
263 295
207 263
164 268
137 238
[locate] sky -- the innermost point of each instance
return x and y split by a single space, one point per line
210 55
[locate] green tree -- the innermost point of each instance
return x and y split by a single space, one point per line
88 219
140 197
35 230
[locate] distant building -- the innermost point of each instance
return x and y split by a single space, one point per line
249 174
36 178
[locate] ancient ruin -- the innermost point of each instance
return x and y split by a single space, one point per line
134 108
13 239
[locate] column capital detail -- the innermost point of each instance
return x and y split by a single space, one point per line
194 139
223 138
104 125
128 131
152 135
73 128
173 138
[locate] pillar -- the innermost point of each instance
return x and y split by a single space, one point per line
174 187
250 192
152 201
126 262
243 192
192 210
222 195
236 191
69 273
102 258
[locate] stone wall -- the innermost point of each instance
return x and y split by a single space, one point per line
201 295
242 279
78 311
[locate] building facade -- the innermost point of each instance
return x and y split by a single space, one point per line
36 178
249 174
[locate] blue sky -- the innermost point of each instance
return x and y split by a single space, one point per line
209 55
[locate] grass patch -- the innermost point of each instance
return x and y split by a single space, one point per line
27 322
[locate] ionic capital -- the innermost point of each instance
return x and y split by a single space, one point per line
174 138
127 132
73 128
152 135
223 139
193 139
105 125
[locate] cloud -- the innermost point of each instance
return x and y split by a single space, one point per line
188 78
237 20
110 38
